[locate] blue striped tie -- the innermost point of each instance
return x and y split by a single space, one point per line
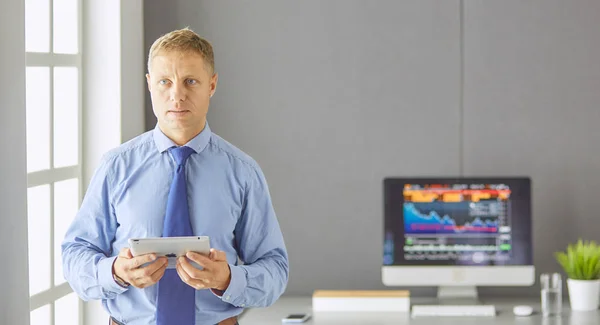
176 300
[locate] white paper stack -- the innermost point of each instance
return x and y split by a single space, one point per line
370 300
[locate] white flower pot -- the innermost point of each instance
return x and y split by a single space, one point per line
584 295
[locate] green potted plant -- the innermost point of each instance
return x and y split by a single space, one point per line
581 263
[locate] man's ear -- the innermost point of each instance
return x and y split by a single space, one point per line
148 81
213 83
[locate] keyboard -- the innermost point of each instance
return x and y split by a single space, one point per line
458 310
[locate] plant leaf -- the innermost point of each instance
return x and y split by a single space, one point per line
581 260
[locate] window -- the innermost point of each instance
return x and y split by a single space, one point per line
54 173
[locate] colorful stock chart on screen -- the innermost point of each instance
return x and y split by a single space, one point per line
454 209
470 223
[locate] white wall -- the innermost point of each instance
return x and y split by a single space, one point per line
14 284
133 69
113 88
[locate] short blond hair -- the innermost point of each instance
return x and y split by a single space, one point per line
184 40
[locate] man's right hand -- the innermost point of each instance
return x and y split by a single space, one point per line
130 270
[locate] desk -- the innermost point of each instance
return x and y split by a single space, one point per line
294 305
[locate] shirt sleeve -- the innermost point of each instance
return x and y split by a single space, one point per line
263 277
86 249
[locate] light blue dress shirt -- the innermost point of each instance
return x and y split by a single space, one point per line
228 200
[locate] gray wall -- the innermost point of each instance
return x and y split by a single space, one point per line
330 97
532 107
14 275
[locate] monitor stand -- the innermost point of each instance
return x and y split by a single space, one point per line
457 295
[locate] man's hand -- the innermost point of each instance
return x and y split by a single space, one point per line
214 275
130 269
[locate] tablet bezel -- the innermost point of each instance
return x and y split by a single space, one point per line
172 247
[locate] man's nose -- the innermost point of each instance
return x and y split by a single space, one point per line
178 93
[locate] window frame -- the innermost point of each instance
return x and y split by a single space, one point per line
52 175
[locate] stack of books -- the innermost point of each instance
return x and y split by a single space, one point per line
353 300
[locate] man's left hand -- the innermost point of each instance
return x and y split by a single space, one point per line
214 275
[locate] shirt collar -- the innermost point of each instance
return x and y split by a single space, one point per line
198 143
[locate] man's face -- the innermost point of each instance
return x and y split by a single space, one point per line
180 85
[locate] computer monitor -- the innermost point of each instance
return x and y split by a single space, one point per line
457 233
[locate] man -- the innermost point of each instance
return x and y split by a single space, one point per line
178 179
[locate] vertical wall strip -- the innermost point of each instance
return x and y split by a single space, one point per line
461 108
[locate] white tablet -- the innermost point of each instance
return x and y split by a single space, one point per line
171 247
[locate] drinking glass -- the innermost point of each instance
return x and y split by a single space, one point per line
551 285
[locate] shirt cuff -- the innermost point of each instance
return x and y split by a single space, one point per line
236 287
105 276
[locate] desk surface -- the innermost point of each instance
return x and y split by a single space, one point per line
294 305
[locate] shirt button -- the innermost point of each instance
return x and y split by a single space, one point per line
228 297
243 305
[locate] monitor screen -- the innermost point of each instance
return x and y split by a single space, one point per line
457 221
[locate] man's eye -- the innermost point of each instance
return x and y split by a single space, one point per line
191 81
163 81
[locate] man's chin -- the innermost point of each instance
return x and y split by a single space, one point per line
183 125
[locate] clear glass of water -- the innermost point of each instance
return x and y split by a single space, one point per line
551 285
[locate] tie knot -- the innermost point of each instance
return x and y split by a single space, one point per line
180 154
